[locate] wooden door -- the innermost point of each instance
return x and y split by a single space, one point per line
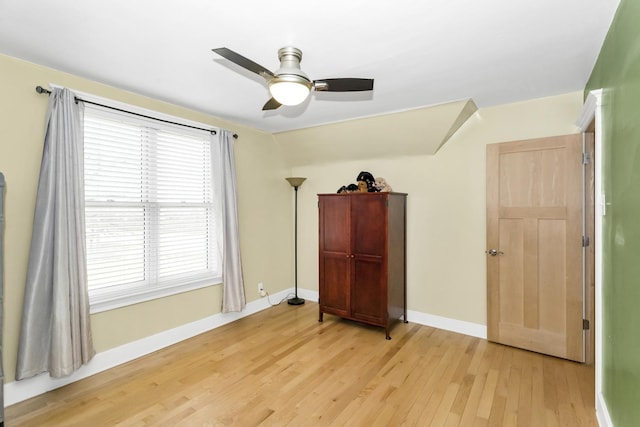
534 223
335 251
368 240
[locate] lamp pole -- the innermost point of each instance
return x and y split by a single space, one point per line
295 183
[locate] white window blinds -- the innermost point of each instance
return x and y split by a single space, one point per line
150 208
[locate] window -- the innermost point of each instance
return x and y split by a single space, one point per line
151 214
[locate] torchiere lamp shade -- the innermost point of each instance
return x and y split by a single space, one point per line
295 181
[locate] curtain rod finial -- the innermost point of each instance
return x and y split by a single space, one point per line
40 89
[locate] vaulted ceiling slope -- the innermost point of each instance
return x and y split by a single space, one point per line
421 131
420 53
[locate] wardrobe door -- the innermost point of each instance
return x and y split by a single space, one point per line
368 273
334 262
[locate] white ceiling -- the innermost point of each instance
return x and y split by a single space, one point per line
420 53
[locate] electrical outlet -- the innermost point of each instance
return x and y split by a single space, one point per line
261 289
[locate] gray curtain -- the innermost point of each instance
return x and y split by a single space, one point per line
55 334
233 297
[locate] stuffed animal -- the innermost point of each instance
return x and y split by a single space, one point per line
351 188
381 185
368 180
366 184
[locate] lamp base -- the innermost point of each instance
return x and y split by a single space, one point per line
295 301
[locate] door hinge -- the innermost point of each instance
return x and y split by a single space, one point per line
586 158
585 241
585 324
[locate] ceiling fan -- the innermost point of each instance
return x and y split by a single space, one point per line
289 85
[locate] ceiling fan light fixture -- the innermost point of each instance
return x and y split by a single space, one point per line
289 91
289 85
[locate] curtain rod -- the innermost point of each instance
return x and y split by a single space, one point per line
40 89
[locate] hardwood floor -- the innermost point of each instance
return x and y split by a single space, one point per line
282 367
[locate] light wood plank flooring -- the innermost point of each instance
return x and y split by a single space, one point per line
282 367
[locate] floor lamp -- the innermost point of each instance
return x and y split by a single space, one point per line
295 183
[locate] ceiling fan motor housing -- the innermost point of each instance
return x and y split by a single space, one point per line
289 70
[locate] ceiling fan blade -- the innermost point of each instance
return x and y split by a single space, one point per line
240 60
271 104
343 85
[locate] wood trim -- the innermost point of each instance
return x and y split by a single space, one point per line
590 251
493 272
541 212
589 108
542 343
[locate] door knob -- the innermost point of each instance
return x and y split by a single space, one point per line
494 252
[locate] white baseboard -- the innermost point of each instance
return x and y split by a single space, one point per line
308 295
602 412
17 391
453 325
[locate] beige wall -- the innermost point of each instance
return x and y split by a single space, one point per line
446 203
264 200
446 206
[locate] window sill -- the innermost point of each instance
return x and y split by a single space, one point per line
112 301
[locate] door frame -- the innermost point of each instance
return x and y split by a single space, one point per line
592 113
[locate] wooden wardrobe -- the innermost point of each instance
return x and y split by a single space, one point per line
363 257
